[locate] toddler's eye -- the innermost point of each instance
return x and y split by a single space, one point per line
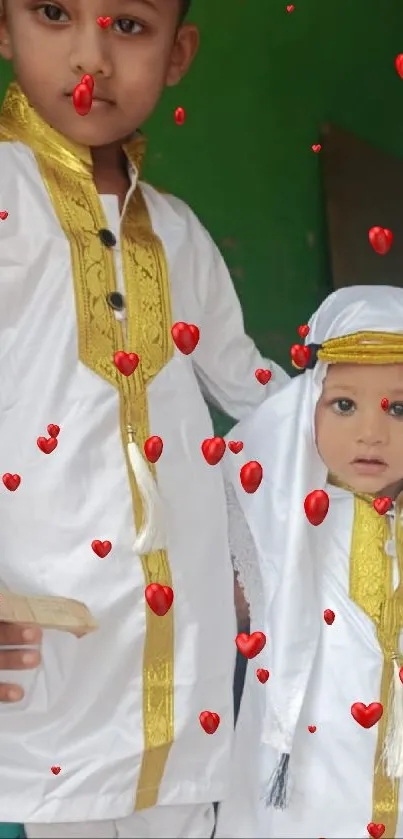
396 409
343 406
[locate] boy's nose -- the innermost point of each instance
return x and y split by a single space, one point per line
89 52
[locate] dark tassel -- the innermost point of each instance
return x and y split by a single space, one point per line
276 792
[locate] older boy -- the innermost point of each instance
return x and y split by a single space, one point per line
107 739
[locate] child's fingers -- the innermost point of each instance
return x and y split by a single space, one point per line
19 659
14 635
10 693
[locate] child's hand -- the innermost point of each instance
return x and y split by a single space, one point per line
15 636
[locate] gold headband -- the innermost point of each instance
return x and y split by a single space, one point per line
363 348
359 348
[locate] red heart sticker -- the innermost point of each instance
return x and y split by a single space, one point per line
250 645
303 330
153 449
381 239
89 81
384 404
104 22
101 549
47 446
209 721
3 215
180 116
316 506
367 715
329 616
11 482
262 675
376 830
312 729
399 64
213 450
316 148
125 362
290 9
383 504
186 337
82 99
300 356
263 376
55 769
159 598
235 446
251 476
53 430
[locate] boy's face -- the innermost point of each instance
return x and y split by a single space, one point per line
360 443
52 45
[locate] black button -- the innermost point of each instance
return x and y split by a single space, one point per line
116 301
107 238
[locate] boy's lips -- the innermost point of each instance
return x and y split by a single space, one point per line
95 98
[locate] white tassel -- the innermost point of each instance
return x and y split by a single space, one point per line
393 746
151 535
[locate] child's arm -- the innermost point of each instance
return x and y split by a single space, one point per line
226 358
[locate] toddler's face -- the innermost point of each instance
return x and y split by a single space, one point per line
361 443
52 45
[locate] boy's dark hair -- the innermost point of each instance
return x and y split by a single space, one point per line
184 8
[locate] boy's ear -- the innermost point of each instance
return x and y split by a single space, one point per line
183 52
5 45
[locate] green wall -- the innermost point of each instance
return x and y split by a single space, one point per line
264 83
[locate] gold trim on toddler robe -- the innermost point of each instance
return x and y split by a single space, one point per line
371 588
66 170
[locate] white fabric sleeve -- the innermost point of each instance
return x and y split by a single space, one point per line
244 555
226 360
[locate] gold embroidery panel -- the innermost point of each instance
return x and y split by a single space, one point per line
371 588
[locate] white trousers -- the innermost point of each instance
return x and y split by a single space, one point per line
187 821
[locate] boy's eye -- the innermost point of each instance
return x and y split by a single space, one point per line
343 406
396 409
53 13
126 26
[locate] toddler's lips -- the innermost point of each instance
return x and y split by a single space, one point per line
369 465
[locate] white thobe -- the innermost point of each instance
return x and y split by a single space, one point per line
331 770
83 707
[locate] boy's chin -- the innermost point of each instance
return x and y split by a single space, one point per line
87 131
92 130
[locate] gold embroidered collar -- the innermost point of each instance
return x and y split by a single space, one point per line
363 496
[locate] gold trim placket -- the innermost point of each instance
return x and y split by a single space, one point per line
66 170
372 590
